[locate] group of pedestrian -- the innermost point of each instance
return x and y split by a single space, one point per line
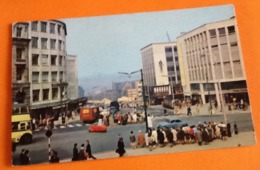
84 153
203 133
24 157
54 157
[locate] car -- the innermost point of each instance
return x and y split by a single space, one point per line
97 128
173 123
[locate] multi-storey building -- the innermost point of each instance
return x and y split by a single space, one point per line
211 63
161 70
39 64
72 76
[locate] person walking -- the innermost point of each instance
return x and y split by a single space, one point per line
189 111
141 140
132 140
54 157
120 147
235 128
82 155
75 156
88 150
25 158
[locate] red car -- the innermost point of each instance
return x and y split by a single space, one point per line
97 128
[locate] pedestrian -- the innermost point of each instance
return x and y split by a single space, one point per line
132 140
174 133
54 157
75 153
165 112
189 111
169 136
199 136
229 130
235 128
88 150
25 158
141 139
160 137
21 156
120 147
82 154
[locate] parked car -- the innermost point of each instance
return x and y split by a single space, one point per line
173 123
97 128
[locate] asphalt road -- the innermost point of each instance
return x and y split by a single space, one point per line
63 140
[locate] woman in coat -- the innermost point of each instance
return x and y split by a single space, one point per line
120 147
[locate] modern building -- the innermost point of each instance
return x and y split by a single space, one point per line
72 76
39 65
161 71
211 63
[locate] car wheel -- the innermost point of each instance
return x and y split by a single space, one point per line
25 139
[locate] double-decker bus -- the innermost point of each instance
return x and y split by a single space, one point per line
21 124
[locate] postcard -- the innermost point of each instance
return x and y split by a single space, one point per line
128 85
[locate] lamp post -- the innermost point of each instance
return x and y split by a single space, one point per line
143 94
129 76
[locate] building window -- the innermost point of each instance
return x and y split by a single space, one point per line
35 59
45 59
19 31
45 76
36 95
171 68
19 54
60 60
221 31
175 49
54 93
60 43
54 76
34 26
34 42
45 94
168 59
44 43
35 77
212 33
61 76
52 28
19 72
43 26
231 30
168 49
53 60
59 29
233 44
53 44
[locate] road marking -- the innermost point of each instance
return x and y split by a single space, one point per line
70 126
78 125
62 127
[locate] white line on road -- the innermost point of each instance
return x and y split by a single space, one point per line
70 126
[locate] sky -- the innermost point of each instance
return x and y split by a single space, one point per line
106 45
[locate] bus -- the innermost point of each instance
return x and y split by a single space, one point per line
89 114
21 124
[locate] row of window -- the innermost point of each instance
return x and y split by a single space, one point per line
47 27
44 60
45 94
45 76
47 44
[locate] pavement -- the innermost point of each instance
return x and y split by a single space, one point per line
240 140
203 110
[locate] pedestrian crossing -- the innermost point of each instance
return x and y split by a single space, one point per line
62 126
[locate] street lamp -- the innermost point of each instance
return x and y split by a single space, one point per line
143 93
129 76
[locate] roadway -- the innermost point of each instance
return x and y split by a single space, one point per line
63 139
